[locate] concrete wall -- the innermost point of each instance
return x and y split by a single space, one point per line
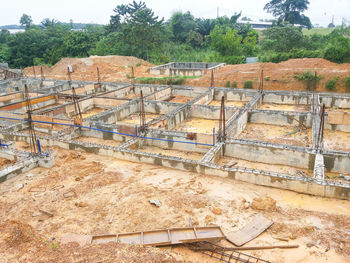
342 102
234 95
287 98
270 155
280 118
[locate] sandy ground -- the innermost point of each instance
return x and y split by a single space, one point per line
231 103
180 99
336 140
276 76
277 134
198 125
112 68
5 163
112 196
174 153
228 161
92 112
284 107
135 118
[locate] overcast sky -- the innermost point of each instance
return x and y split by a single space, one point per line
99 11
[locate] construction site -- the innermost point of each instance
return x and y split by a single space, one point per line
97 165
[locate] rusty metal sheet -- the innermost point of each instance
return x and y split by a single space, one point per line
249 232
126 129
162 237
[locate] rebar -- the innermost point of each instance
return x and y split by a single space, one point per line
218 252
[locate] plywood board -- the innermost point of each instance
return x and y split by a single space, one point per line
252 230
153 238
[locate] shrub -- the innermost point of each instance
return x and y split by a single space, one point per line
309 78
267 78
248 84
331 84
347 84
228 84
234 85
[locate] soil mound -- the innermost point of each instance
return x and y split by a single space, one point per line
112 68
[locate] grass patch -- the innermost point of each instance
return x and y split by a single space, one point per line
320 31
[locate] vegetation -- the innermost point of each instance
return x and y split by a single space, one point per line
331 84
347 84
134 30
248 84
309 78
289 11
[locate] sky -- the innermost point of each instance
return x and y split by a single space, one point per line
99 11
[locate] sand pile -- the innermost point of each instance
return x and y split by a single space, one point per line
112 68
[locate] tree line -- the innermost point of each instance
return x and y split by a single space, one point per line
134 30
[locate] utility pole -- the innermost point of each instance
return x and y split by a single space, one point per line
218 12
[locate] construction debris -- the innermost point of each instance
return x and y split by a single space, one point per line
249 232
163 237
155 202
224 254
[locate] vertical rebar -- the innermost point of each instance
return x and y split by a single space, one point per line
32 135
212 79
142 114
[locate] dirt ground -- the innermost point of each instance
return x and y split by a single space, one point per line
284 107
230 103
228 161
337 140
135 118
112 68
198 125
290 135
174 153
276 76
112 196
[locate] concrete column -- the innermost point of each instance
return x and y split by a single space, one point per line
319 169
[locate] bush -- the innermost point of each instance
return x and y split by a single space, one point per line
309 78
331 84
347 84
235 59
248 84
234 85
228 84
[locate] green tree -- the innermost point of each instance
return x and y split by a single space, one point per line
289 11
181 25
226 41
338 50
140 30
4 33
283 39
26 21
205 26
77 44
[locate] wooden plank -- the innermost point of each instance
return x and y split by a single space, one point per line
249 232
157 237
